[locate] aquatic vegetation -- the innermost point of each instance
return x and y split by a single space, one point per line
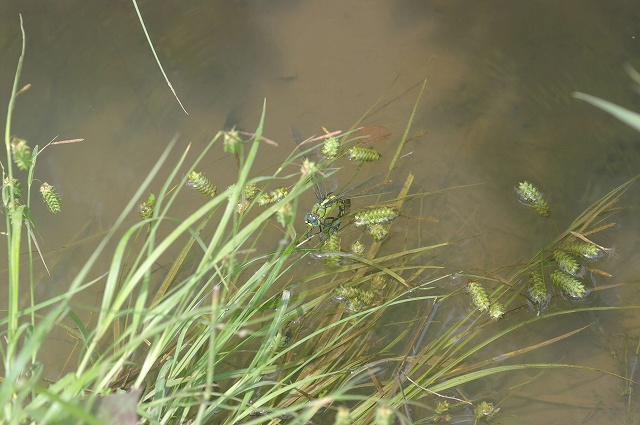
232 142
485 411
357 247
332 243
530 196
21 153
330 147
233 332
361 154
583 249
198 181
538 292
51 198
496 310
15 186
273 196
145 209
479 296
566 262
375 215
568 284
378 231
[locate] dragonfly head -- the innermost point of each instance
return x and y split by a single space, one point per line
312 219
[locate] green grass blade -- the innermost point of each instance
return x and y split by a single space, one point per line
628 117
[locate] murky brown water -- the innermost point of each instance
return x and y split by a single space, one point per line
498 109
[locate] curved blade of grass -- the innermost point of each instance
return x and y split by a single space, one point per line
155 55
405 135
454 382
628 117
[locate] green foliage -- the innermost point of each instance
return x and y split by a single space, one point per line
357 247
331 147
566 262
21 153
568 284
376 215
232 142
145 209
479 296
585 249
531 196
239 333
15 186
361 154
273 196
198 181
484 411
51 198
332 244
538 290
378 231
496 310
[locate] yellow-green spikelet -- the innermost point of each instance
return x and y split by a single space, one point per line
537 289
330 147
332 244
361 154
531 196
378 215
496 310
568 284
478 296
583 249
201 183
566 262
21 153
51 198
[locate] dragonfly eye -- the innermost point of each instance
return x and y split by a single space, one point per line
312 220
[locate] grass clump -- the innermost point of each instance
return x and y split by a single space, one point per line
239 333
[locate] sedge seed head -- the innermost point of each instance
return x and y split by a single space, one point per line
51 198
479 296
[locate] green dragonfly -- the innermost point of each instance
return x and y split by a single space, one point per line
327 204
330 208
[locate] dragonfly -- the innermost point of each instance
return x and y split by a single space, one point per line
326 204
329 209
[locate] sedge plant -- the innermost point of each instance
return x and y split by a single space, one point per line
234 333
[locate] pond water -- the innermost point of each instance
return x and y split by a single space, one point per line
498 109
